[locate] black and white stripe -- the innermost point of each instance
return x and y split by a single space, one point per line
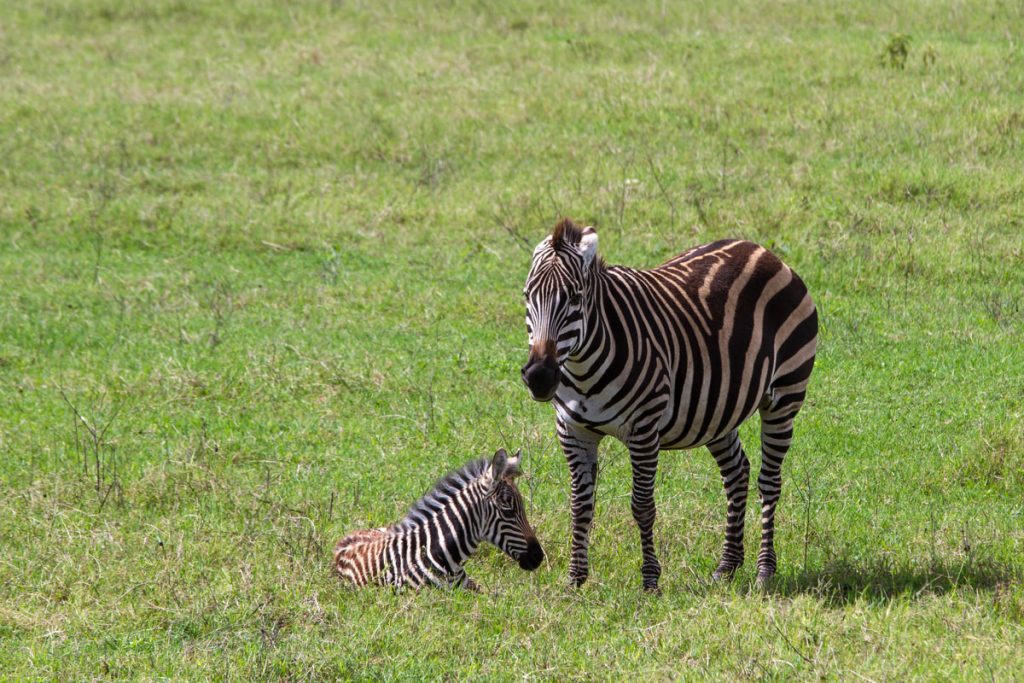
479 502
669 358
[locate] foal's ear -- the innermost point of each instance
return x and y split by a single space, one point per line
512 468
588 246
498 464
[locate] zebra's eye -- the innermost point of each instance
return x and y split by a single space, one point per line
505 501
575 299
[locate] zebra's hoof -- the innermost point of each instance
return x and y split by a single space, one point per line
652 589
724 573
764 579
577 581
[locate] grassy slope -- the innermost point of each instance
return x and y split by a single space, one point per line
277 254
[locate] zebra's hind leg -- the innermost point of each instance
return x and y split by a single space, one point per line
735 470
776 437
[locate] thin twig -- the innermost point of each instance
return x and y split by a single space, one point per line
661 186
519 240
789 642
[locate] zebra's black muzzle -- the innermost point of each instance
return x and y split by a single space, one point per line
533 556
541 377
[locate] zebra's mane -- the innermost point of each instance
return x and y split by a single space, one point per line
567 235
442 492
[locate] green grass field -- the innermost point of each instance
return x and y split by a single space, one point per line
260 275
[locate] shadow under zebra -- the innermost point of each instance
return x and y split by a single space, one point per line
842 582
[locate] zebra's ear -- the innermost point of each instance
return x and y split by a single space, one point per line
588 246
498 464
512 468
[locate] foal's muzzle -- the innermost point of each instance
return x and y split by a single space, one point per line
533 555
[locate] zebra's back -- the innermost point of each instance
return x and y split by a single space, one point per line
725 324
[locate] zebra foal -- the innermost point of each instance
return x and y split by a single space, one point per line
674 357
478 502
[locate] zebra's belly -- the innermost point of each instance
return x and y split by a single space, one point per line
682 434
677 429
686 442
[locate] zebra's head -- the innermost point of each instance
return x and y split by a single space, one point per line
504 516
557 293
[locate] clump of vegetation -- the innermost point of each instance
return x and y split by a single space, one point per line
929 56
997 459
897 49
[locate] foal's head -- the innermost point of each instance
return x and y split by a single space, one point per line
504 515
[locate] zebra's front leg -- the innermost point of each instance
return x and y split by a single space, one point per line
643 454
581 452
735 470
469 584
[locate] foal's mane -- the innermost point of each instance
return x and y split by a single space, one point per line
443 491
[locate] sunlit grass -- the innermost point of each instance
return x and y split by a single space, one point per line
261 269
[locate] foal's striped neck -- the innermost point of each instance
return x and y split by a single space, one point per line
462 486
443 528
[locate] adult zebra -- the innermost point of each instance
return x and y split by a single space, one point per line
670 358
